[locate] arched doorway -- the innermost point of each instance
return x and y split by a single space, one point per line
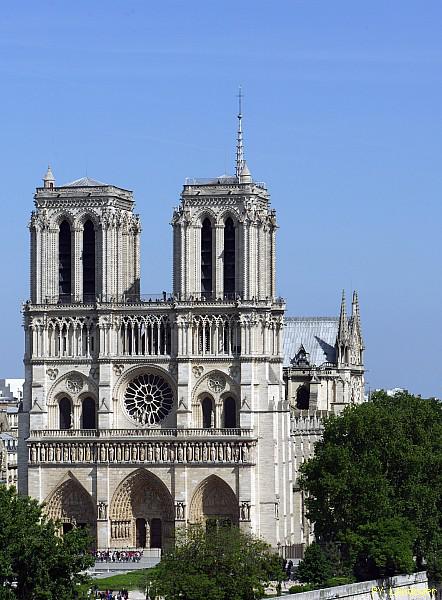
214 503
156 531
72 506
140 527
142 513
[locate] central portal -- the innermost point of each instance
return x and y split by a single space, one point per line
142 513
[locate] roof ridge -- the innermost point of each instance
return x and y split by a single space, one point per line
311 318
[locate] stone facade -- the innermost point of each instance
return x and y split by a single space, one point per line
141 414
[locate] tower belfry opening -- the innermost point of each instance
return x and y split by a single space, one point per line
229 257
64 261
89 261
206 258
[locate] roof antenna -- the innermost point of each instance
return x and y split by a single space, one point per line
239 140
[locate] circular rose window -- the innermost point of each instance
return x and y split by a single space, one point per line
148 399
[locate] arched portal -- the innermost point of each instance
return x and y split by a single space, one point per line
214 502
89 262
72 506
142 513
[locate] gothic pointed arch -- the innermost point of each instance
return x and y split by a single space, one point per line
229 257
71 505
64 261
89 258
142 505
207 257
214 500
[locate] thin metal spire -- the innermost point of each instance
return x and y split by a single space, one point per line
239 139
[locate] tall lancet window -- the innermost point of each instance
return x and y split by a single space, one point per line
229 257
89 262
64 262
206 258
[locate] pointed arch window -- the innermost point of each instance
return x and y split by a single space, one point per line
208 414
229 413
64 262
65 413
206 259
229 257
88 414
88 262
303 398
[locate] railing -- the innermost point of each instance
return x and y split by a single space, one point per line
163 298
230 180
124 433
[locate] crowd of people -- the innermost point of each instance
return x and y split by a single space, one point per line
110 595
118 555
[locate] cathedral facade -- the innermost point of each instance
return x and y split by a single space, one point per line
143 414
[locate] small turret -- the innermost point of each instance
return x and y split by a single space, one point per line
245 176
49 179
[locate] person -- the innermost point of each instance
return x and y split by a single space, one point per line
289 568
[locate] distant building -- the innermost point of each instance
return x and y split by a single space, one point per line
11 398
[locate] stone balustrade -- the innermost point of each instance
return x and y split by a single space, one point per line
139 433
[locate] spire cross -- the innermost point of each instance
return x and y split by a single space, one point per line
239 140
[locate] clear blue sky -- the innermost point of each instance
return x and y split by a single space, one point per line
343 120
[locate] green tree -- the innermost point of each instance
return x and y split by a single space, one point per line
378 461
35 563
382 549
315 566
220 564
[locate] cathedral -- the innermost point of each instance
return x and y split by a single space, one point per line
143 414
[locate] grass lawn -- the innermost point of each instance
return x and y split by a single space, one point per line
135 580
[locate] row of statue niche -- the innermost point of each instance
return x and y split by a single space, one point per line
120 529
183 452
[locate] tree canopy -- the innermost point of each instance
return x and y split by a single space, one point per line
36 563
375 484
219 564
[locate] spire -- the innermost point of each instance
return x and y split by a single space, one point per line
239 140
355 307
356 319
343 322
49 179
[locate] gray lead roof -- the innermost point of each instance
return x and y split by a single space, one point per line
85 182
316 334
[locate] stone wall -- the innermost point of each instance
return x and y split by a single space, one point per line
409 587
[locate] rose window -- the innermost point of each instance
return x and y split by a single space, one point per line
148 399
